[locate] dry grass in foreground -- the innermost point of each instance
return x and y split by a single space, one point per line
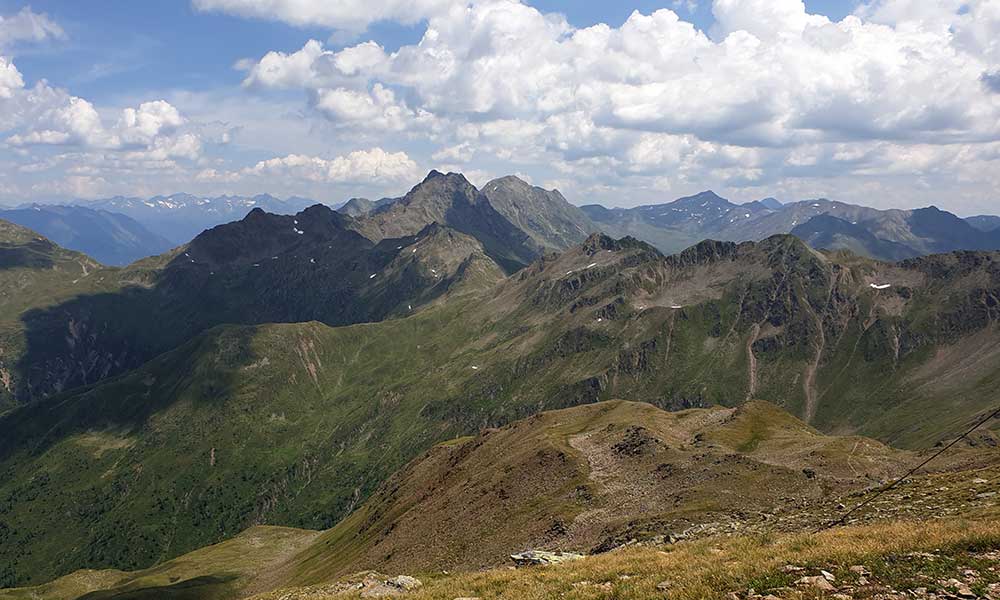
901 556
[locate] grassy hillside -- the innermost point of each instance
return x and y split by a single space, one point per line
298 424
628 483
34 274
214 572
67 328
589 479
900 557
228 431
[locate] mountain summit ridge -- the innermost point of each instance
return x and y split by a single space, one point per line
889 234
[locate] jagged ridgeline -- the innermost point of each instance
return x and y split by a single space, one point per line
297 423
68 328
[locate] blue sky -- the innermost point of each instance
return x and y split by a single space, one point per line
121 48
884 103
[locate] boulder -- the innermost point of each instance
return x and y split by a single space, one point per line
405 582
541 557
396 586
818 582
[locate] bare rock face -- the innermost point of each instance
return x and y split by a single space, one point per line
359 207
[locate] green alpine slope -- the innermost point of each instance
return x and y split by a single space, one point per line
72 323
296 424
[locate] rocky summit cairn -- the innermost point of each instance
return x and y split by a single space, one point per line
540 557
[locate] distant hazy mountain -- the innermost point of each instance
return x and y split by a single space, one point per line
358 207
985 222
180 217
110 238
517 222
884 234
677 225
830 233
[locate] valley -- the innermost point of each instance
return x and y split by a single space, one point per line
304 373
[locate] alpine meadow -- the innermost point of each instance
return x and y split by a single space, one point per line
500 300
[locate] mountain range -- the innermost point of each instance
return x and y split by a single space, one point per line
109 237
882 234
461 373
180 217
120 230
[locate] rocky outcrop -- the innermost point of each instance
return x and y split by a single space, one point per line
534 558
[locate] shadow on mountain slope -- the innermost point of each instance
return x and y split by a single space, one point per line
203 366
33 255
300 428
263 269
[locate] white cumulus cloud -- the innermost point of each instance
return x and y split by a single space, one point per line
351 15
741 104
777 75
361 166
70 120
28 26
374 109
149 120
10 78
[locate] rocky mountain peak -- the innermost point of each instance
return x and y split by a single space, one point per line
545 215
356 207
706 198
509 182
441 189
261 235
254 214
320 211
432 229
436 180
704 252
596 242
